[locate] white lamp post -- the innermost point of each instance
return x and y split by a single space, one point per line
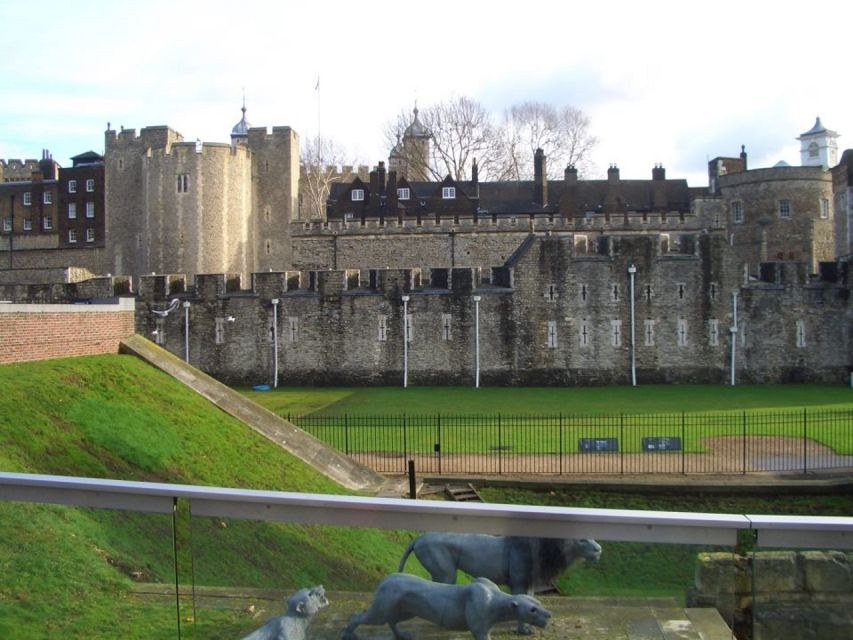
187 331
632 271
733 330
405 341
275 342
476 342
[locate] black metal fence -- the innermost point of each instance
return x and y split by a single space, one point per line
719 443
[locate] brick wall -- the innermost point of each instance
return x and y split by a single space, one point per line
41 332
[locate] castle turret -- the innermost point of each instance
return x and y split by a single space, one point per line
818 147
240 131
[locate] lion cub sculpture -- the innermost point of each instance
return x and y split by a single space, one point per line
476 607
301 607
523 564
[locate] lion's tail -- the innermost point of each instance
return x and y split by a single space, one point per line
406 555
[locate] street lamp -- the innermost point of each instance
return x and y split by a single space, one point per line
476 342
187 331
405 341
632 271
275 342
733 330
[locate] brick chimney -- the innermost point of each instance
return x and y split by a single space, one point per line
659 200
613 199
570 175
540 179
380 175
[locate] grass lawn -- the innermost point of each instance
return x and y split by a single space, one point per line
68 572
574 401
550 420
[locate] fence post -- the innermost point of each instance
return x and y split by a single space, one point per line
413 486
405 443
500 447
346 433
621 444
438 421
683 444
744 442
805 443
560 452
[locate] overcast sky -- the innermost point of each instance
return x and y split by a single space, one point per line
674 83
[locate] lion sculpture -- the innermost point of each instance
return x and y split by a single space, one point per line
301 607
523 564
475 607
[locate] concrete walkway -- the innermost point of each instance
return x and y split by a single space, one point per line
332 464
572 618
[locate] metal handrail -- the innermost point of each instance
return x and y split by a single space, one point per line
397 513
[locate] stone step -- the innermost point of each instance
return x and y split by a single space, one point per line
573 618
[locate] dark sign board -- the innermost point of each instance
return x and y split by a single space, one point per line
596 445
662 443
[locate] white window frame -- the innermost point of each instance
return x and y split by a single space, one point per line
615 333
348 216
7 224
219 331
446 326
90 234
649 333
28 198
72 236
801 334
72 186
72 210
681 332
90 209
713 332
357 195
785 209
47 197
552 334
382 329
90 185
448 193
737 212
28 224
824 209
404 193
292 329
47 223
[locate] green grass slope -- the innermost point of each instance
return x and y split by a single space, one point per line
67 572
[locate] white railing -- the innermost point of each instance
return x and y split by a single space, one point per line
393 513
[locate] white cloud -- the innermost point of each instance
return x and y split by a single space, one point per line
668 82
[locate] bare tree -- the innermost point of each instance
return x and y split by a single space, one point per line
321 164
462 129
563 134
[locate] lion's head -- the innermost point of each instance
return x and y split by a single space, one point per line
529 610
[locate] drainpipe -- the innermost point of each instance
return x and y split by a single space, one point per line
187 331
405 341
275 342
632 271
733 330
476 342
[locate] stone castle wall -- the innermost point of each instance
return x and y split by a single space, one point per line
764 235
779 594
553 315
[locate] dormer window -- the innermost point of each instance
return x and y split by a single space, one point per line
357 195
448 193
403 193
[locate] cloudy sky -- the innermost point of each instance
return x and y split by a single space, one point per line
674 83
